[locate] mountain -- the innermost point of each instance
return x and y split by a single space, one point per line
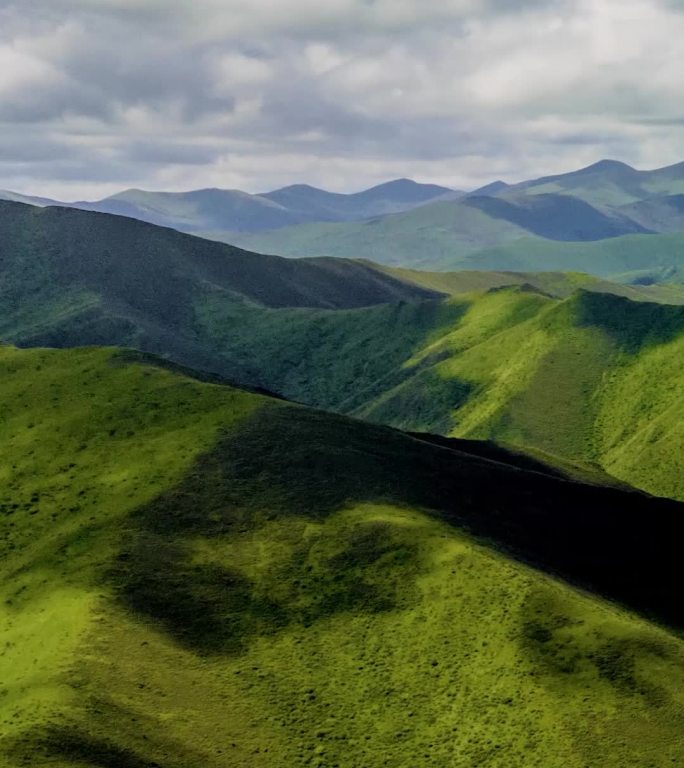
203 209
392 197
603 201
489 233
421 351
436 236
27 199
608 182
557 217
663 213
219 210
592 378
195 576
70 276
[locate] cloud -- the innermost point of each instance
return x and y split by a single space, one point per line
98 94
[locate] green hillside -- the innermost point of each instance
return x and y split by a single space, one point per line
592 377
381 343
199 577
448 236
69 278
435 236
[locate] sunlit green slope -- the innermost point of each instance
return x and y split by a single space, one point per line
593 377
194 576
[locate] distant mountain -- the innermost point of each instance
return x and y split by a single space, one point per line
392 197
27 199
557 217
489 233
204 209
489 189
663 213
218 210
608 182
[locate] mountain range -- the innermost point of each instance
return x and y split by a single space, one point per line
421 351
225 209
276 513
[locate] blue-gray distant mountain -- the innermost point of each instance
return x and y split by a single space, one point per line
608 182
220 210
392 197
663 213
558 217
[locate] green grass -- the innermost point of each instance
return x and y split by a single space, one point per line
198 577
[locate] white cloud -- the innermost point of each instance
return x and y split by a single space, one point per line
340 93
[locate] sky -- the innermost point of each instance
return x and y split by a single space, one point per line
101 95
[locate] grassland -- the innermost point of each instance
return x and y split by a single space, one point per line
516 357
195 576
591 378
452 236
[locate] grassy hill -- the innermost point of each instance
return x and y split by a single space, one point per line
592 377
457 235
557 217
195 576
71 277
436 236
538 365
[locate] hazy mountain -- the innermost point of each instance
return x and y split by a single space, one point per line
488 233
609 182
557 217
27 199
392 197
208 210
663 213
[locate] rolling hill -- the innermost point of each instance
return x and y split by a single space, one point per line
195 576
448 236
557 217
485 355
491 227
594 377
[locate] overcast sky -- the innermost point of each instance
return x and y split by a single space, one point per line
99 95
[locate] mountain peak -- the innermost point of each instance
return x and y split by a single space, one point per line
607 165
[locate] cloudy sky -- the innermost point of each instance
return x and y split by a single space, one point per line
99 95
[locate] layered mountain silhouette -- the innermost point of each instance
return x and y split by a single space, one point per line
436 556
207 210
421 351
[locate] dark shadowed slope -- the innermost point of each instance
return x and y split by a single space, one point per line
557 217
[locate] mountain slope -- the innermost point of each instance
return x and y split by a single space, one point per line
77 277
203 209
609 182
384 345
439 235
663 213
198 577
568 377
557 217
